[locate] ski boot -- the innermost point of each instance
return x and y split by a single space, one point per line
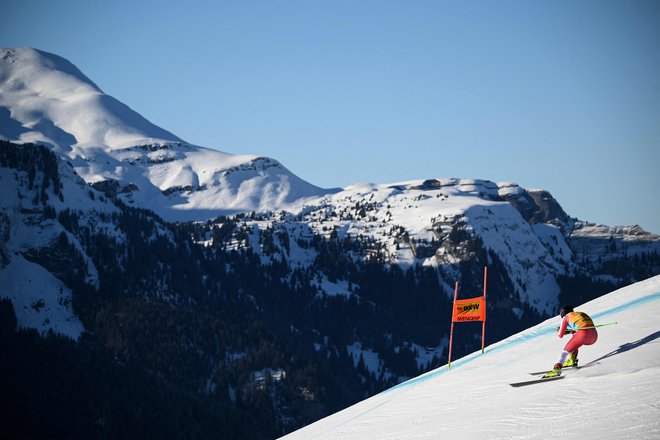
556 371
572 361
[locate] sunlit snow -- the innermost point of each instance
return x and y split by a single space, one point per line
616 395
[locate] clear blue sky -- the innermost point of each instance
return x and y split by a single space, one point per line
558 95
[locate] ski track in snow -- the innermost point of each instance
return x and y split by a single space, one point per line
617 397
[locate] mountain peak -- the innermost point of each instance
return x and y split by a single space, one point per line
45 99
34 61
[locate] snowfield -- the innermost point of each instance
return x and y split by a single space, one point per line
614 395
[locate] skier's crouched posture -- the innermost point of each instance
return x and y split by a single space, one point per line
584 333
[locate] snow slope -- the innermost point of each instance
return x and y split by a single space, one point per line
40 299
615 395
46 99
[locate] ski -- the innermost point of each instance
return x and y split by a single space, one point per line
532 382
536 373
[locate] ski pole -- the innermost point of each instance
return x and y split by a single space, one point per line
599 325
594 326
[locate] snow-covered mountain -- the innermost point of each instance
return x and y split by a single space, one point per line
347 285
614 395
435 222
353 284
443 222
46 99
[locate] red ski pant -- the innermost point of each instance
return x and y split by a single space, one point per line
580 338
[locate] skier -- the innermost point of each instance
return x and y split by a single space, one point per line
584 333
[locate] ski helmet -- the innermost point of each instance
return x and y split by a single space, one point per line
564 310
